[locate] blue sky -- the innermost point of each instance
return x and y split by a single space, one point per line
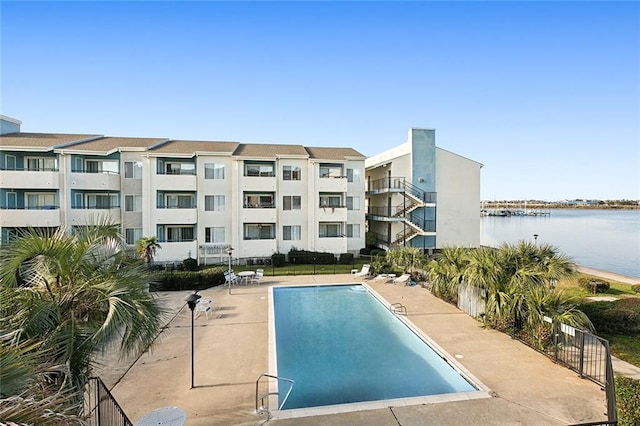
545 94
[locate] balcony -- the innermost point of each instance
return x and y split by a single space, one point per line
332 184
259 214
82 216
168 182
46 216
30 179
332 214
176 215
105 181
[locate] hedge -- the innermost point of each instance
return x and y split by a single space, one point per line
346 258
278 259
619 317
628 401
188 280
304 257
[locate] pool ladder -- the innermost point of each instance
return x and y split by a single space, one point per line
398 308
263 409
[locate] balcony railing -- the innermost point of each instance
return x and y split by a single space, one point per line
30 169
103 172
113 206
43 207
192 206
259 206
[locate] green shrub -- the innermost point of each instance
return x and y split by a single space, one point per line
628 401
346 258
366 251
593 285
278 259
378 252
635 288
188 280
619 317
190 264
304 257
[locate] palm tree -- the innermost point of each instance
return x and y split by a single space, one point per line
147 247
446 272
25 396
74 295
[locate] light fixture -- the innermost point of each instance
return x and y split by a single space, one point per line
192 300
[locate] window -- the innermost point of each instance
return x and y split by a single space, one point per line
99 166
331 200
40 201
133 169
41 164
353 175
291 173
330 230
214 235
101 201
10 162
291 202
259 169
259 231
353 203
214 203
176 234
213 171
259 200
176 168
353 230
179 201
293 233
133 203
132 235
330 170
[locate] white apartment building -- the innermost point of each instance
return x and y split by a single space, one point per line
419 195
197 197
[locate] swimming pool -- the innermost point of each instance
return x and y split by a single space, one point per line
342 345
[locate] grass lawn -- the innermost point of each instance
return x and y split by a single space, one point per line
626 348
270 270
617 289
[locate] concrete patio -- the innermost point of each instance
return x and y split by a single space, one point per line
231 350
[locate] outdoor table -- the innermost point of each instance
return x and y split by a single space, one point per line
165 416
246 276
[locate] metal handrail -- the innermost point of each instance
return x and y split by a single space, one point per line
261 409
397 308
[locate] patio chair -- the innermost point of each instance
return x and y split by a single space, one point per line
383 277
402 279
257 277
230 278
204 305
364 272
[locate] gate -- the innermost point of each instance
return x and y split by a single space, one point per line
100 407
471 300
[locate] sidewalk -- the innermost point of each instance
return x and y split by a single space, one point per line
231 350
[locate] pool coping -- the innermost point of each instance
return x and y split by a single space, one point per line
482 390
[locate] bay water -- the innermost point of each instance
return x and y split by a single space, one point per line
608 240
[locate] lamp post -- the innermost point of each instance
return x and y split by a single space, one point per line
191 300
535 239
229 251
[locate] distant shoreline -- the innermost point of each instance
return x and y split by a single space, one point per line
627 279
533 206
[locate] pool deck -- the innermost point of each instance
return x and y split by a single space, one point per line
231 350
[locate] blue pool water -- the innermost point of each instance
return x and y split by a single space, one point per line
341 345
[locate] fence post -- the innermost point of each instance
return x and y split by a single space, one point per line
314 266
581 341
555 340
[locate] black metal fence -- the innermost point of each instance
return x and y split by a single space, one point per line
100 407
589 356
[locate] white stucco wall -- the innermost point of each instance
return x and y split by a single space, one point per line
458 205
